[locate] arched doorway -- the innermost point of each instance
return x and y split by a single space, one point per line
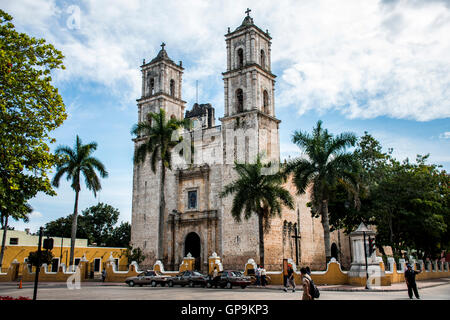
334 251
192 245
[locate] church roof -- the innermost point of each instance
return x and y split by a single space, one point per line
162 55
248 23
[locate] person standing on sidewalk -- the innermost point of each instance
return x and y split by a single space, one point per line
290 279
306 282
258 275
410 278
263 276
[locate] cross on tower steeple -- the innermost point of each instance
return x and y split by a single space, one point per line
248 12
163 45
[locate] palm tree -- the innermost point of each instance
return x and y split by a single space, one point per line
157 141
326 164
257 193
76 162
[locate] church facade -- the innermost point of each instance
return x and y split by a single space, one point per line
197 220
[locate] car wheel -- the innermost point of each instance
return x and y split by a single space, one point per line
229 285
170 284
191 284
140 285
208 285
243 287
163 284
153 283
183 285
131 283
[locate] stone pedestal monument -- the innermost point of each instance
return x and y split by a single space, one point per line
364 271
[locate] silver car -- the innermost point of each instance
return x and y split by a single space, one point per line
149 277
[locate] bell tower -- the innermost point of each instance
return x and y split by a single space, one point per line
249 122
161 87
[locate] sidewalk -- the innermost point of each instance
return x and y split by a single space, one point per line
401 286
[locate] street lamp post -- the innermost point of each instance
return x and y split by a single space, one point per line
365 257
36 278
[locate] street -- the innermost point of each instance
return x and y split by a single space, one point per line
100 291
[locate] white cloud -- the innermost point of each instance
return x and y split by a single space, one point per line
35 214
365 59
445 135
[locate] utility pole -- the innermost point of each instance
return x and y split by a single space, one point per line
365 257
36 278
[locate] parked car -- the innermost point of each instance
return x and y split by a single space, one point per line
228 279
149 277
190 278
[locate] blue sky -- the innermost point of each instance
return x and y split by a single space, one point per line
376 66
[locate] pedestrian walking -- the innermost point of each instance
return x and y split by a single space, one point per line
306 283
410 278
290 279
103 275
258 275
263 276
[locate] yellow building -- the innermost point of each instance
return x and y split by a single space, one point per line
19 244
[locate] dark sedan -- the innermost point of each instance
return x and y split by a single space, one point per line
148 277
190 278
228 279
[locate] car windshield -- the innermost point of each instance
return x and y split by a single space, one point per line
195 273
149 273
236 273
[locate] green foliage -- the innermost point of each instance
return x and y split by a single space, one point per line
257 193
134 254
120 236
407 203
30 108
46 257
100 220
95 224
77 162
158 136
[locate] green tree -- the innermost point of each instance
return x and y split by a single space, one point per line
120 236
46 257
100 220
410 208
257 193
325 165
134 254
30 108
156 139
76 162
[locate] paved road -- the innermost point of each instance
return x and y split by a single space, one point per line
98 291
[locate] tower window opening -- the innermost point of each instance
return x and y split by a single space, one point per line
239 100
172 88
263 59
265 102
152 86
240 58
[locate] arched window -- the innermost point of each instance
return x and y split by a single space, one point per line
172 117
265 102
240 58
152 86
149 119
172 88
263 59
239 100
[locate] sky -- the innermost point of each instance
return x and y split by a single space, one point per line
376 66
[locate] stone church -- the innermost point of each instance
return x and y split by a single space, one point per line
197 220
